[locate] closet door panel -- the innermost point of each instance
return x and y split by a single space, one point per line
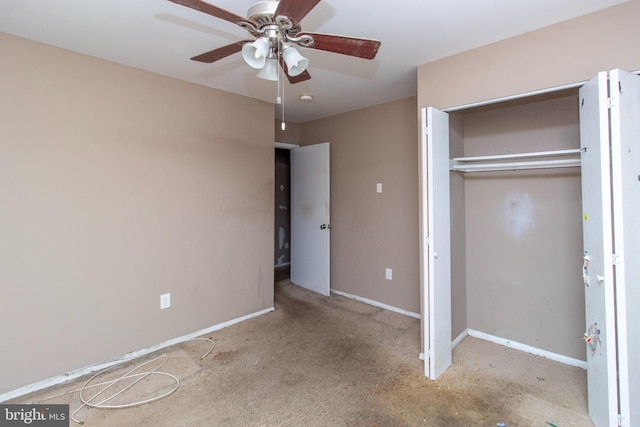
625 165
436 250
598 250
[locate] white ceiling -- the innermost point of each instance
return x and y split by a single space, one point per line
160 36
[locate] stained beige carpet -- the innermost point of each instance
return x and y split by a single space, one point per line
319 361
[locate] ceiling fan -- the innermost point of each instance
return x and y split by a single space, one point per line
276 27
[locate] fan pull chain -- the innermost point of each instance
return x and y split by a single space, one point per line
283 126
280 98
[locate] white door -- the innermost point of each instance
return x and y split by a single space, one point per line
625 165
600 333
435 226
310 221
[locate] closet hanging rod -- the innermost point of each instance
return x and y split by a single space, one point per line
519 155
491 167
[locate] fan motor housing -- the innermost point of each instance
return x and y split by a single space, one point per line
263 12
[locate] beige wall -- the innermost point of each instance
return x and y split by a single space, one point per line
292 133
119 185
371 231
561 54
458 234
568 52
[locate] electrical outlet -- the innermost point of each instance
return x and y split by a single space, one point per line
379 187
165 301
388 274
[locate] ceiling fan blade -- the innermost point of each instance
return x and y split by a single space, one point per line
294 79
221 52
299 78
295 9
212 10
362 48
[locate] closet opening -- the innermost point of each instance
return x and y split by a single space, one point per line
516 224
511 236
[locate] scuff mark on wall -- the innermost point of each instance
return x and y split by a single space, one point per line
518 214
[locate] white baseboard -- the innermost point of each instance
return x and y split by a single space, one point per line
527 348
517 346
376 304
100 366
459 338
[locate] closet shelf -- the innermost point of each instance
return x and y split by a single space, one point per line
488 163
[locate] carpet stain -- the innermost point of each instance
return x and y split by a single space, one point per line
229 356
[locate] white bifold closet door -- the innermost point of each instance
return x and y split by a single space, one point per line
610 138
625 165
436 246
597 268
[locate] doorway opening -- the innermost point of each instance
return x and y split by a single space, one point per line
282 217
301 231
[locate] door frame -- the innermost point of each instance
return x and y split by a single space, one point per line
285 145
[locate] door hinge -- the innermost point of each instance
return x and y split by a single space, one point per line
427 241
425 130
619 420
615 259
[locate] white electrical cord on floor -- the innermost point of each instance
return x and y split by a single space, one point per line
143 375
213 344
88 403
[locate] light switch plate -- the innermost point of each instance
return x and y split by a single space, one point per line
165 301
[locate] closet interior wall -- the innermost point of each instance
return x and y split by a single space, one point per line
517 235
459 321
